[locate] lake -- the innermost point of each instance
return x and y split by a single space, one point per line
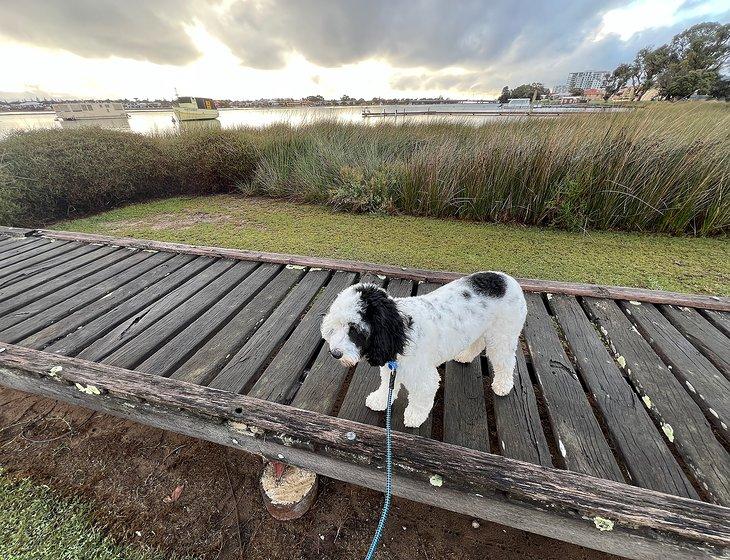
161 121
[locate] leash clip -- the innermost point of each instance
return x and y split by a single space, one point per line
392 365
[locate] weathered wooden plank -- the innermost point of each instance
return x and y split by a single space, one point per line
249 360
649 461
145 317
210 359
465 410
721 320
708 387
702 334
16 245
166 360
16 231
669 404
530 285
28 286
366 377
29 259
579 436
137 349
517 418
401 402
23 322
78 328
280 379
640 523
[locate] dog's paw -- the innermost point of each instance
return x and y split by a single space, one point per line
502 387
463 359
376 401
412 417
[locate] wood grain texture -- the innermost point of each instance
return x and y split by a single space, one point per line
645 524
366 377
40 283
708 339
45 310
32 260
280 379
185 310
145 317
668 402
208 361
248 361
579 436
420 275
179 349
708 387
465 410
721 320
649 461
95 320
12 246
517 418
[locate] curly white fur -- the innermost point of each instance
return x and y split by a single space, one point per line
481 312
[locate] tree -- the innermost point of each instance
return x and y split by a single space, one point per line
577 92
504 97
721 89
617 81
535 91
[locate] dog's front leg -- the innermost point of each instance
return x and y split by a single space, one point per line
422 389
378 399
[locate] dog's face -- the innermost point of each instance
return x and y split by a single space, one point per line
364 322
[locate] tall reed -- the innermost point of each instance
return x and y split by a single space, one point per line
661 168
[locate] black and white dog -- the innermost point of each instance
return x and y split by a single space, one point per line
483 311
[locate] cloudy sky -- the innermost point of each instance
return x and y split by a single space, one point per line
247 49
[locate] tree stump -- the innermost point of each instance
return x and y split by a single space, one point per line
288 491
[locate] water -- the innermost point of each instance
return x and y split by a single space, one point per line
161 121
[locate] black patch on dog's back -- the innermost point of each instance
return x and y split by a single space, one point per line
488 284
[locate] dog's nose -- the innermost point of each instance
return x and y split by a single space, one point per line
336 354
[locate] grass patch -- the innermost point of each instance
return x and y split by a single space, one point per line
661 168
36 524
652 261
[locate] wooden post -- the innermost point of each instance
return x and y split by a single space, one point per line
288 491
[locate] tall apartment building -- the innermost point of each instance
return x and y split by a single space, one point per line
588 80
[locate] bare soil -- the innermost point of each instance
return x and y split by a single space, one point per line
191 497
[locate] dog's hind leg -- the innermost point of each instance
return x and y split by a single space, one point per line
467 355
501 353
421 394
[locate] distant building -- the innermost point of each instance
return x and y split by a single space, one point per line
560 89
593 93
587 80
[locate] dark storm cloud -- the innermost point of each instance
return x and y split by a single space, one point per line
548 66
429 33
140 30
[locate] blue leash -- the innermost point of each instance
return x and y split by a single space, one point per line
393 366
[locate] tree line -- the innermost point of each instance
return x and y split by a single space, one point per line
691 62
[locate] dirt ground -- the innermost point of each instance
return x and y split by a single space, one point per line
127 471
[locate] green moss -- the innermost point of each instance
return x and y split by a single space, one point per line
36 524
652 261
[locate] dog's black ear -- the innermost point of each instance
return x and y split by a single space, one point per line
387 326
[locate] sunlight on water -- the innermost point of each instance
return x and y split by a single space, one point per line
162 121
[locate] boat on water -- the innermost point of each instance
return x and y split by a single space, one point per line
194 109
89 110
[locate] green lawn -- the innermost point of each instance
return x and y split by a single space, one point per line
36 524
700 265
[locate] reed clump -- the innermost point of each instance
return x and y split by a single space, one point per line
662 168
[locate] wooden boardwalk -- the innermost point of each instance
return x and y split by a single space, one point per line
619 417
